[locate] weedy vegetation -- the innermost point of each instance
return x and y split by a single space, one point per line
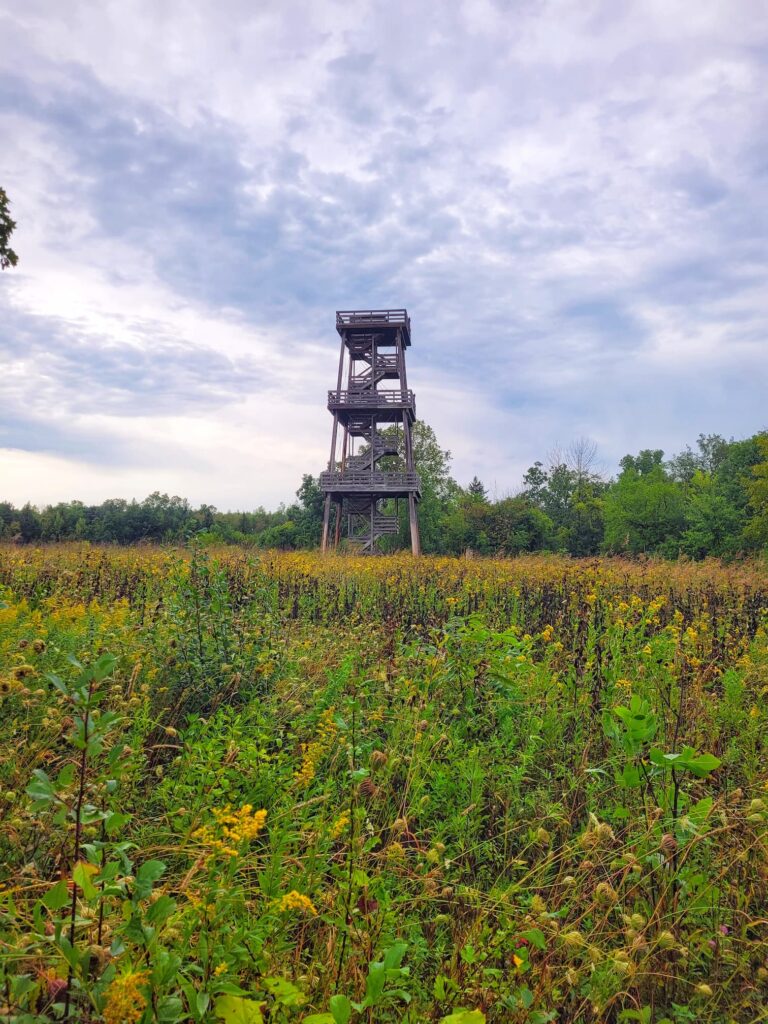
279 788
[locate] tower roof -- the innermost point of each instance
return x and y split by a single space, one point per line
354 324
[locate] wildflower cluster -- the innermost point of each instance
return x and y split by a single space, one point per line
313 752
230 829
294 900
125 1001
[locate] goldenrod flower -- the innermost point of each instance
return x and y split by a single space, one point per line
125 1001
231 829
297 901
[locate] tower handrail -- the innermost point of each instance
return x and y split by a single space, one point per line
370 398
353 317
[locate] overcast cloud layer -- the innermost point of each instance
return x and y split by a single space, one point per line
570 198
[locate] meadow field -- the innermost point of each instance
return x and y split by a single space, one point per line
273 787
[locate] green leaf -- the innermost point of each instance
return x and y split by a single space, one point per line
285 992
318 1018
82 875
341 1009
393 956
57 896
104 666
237 1010
41 788
702 765
146 876
71 955
536 937
161 910
464 1017
374 983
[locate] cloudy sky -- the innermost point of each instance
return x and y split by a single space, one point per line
571 198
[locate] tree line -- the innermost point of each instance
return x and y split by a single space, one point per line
708 500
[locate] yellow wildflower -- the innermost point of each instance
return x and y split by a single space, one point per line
297 901
312 753
125 1002
231 828
340 825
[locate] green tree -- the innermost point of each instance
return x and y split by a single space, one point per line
712 450
570 492
8 257
756 530
309 514
644 509
713 522
515 525
477 490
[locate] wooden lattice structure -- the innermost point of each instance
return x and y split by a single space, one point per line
366 488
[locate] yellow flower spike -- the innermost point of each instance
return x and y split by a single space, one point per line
297 901
125 1003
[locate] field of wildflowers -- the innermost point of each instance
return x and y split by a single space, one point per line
282 788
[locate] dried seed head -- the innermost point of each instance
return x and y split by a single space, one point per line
573 939
668 844
368 789
543 838
538 906
378 759
605 894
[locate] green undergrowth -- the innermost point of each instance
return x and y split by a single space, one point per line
215 811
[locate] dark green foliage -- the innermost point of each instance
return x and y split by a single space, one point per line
707 501
8 257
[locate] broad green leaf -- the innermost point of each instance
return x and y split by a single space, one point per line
283 991
393 956
41 788
82 875
57 896
536 937
161 910
237 1010
341 1009
146 876
374 983
702 765
464 1017
115 821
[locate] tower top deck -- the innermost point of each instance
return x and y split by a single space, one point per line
355 324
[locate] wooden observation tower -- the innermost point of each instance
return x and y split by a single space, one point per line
364 492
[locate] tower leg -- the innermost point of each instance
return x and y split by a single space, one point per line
337 531
326 522
415 539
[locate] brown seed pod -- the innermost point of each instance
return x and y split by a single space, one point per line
378 759
668 844
368 789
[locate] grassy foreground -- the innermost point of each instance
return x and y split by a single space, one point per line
280 788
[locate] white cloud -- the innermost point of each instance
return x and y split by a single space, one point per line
569 197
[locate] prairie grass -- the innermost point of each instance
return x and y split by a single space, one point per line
287 788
